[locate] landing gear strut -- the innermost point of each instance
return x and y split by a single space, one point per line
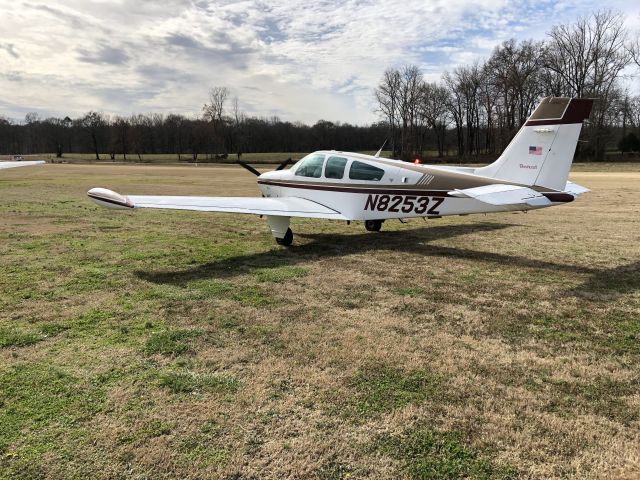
287 239
373 225
280 229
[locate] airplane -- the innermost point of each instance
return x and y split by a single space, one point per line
531 173
4 165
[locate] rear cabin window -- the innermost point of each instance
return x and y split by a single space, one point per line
310 167
364 171
335 167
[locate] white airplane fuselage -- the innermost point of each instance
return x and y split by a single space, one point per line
403 191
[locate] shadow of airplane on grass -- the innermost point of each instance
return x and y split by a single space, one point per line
618 280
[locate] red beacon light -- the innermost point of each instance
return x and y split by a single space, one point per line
417 161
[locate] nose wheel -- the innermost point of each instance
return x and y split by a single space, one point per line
373 225
287 239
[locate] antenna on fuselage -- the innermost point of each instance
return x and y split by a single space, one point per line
380 151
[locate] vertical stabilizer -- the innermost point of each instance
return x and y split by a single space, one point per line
542 151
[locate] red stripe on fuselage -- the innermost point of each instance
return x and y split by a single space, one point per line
359 189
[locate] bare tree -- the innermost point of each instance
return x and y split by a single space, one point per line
513 80
94 123
388 97
589 57
411 81
433 109
238 126
634 50
214 110
455 106
120 139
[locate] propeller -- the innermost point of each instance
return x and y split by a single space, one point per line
284 164
257 173
250 168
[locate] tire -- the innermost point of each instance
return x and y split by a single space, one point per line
287 239
373 225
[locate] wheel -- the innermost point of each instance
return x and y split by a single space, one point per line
373 225
287 239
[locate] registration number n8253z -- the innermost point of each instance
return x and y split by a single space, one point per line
404 204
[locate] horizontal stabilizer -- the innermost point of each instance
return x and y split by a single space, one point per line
286 207
575 189
503 195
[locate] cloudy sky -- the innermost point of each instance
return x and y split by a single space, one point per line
296 60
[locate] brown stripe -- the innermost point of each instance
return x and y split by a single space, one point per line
364 189
108 200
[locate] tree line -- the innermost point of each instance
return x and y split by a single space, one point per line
478 108
472 111
193 139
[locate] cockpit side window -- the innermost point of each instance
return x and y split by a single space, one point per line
310 166
335 167
364 171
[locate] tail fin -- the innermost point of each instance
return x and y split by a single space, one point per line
542 151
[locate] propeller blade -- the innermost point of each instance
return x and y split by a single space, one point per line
249 167
284 164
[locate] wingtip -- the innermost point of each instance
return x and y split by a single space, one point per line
108 198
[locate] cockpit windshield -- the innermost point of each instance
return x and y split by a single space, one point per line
309 166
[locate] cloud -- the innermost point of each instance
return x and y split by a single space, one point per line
218 48
74 20
104 55
298 60
10 48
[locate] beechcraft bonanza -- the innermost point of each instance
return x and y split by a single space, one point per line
4 165
531 173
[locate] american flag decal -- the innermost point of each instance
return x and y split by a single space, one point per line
535 150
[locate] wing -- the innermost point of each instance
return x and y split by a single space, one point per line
285 207
504 195
4 165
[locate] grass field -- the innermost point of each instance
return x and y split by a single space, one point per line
156 345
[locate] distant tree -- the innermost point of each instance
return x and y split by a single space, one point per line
120 138
433 109
589 56
214 112
455 106
94 123
629 143
32 123
388 97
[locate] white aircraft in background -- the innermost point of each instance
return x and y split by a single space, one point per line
531 173
4 165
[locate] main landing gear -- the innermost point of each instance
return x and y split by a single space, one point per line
280 230
287 239
373 225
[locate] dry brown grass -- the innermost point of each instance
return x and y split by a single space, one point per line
518 333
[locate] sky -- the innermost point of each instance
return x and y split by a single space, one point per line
297 60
